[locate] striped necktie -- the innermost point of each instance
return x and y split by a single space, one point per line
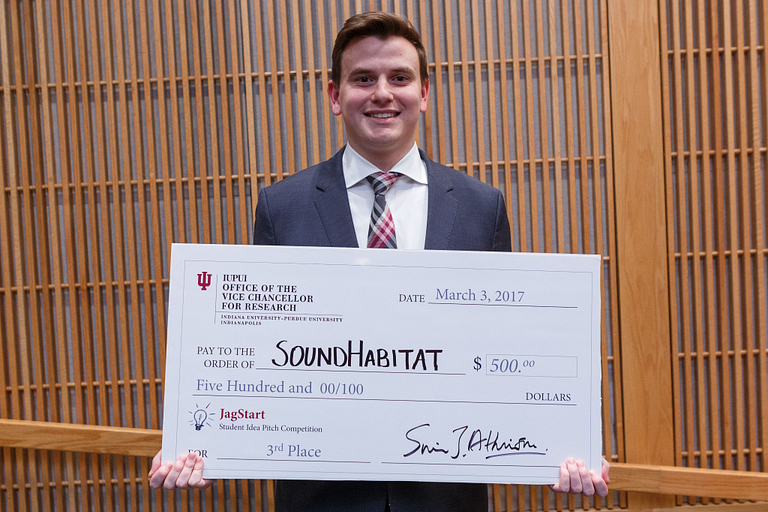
381 231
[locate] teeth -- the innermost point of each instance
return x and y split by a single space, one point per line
382 116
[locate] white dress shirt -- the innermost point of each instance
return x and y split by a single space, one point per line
407 198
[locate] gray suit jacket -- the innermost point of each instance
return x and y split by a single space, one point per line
311 208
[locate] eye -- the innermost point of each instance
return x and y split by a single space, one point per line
363 80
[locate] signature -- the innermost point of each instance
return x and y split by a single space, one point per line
466 440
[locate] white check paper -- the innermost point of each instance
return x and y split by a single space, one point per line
359 364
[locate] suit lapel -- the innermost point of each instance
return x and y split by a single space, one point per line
332 203
441 206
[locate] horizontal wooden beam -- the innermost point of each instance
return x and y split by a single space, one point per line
39 435
42 435
712 483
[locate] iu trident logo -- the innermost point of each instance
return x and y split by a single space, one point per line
204 280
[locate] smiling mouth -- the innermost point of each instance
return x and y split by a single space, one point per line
384 115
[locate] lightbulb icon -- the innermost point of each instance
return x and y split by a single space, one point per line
200 416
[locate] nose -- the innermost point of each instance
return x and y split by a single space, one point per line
382 92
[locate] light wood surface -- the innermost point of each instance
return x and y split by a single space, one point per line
641 248
146 443
634 129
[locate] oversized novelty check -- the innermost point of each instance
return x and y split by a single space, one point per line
359 364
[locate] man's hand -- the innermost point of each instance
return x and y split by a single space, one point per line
575 478
185 473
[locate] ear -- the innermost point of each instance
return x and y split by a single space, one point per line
333 95
424 96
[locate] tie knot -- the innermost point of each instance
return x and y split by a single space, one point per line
381 181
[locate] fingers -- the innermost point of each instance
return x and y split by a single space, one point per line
157 478
573 476
171 481
585 479
605 470
564 483
156 462
196 480
602 480
185 473
601 486
576 478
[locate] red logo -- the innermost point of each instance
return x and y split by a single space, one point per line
204 280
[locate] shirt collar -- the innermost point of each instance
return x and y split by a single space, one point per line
356 168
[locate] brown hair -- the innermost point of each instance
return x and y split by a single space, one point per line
381 25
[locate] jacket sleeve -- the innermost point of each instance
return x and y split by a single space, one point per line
263 230
502 240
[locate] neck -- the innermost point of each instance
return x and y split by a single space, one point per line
383 161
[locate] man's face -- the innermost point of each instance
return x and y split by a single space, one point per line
380 96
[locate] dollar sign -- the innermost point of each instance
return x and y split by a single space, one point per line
478 365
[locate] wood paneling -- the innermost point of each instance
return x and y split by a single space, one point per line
639 187
632 129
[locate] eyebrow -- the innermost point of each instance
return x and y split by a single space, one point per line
367 71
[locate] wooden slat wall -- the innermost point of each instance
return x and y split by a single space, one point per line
129 125
715 115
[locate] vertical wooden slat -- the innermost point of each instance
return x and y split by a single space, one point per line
178 166
466 110
491 79
216 171
92 271
532 212
42 343
582 130
759 191
506 119
678 268
312 82
67 247
238 118
451 87
78 257
723 411
289 110
251 108
733 228
519 153
226 134
10 240
745 342
156 272
436 87
569 133
615 357
272 23
107 304
427 143
125 239
299 65
187 187
639 184
112 188
325 65
162 120
554 91
694 163
143 332
478 87
265 121
593 28
706 55
202 155
543 115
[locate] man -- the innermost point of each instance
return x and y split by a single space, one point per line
380 191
